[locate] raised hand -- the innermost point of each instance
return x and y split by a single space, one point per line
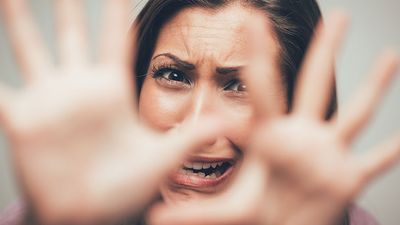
299 170
80 154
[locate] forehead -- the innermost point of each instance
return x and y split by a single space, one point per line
199 33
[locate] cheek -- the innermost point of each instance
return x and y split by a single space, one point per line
158 109
239 119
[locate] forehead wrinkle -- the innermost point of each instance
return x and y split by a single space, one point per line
207 36
207 57
185 44
217 25
188 32
201 41
207 27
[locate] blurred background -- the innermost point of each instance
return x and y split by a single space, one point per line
375 27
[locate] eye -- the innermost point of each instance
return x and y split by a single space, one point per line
174 76
171 77
235 85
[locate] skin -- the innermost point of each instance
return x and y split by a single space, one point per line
79 148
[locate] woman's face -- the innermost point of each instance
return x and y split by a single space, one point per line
194 72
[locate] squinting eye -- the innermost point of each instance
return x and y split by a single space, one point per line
235 85
172 75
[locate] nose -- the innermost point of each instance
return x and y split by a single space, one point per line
202 103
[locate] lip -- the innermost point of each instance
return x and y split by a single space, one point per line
197 182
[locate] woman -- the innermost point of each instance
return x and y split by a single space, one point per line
192 53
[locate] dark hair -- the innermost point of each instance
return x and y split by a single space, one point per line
294 23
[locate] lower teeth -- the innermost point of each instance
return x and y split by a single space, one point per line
211 176
203 175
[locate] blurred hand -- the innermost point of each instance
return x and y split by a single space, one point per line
79 151
299 170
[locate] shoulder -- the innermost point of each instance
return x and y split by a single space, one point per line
359 216
14 214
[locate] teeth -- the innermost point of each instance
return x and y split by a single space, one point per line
201 174
206 165
188 165
218 173
213 176
208 177
197 166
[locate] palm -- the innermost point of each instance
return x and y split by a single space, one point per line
309 166
307 149
85 92
69 119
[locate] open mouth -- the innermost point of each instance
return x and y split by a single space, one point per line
204 173
205 170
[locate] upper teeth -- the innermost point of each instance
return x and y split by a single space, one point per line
199 165
188 165
206 165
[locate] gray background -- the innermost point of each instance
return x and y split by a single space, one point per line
375 26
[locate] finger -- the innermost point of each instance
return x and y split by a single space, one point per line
192 136
317 73
262 74
239 205
71 32
361 107
31 53
114 45
5 99
131 57
381 159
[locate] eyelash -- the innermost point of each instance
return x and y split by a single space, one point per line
158 72
235 82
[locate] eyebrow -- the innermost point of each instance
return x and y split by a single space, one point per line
177 60
229 70
189 66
